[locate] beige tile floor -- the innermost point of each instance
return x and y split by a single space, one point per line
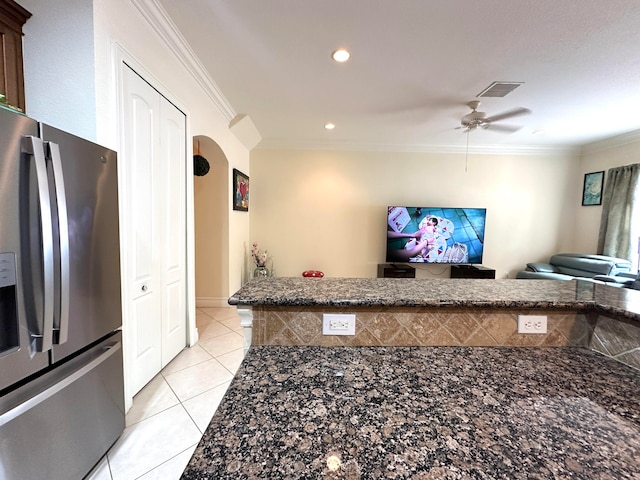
170 414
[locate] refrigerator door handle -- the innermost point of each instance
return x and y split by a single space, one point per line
61 319
106 352
43 339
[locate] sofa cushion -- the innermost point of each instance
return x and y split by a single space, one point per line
614 280
542 275
580 265
541 267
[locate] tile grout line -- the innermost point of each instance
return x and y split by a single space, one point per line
180 401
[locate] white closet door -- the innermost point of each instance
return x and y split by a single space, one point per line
173 199
154 154
141 104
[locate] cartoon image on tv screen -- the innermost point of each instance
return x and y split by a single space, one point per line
435 235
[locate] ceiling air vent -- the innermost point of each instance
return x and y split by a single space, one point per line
499 89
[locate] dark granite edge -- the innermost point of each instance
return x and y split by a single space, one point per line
580 307
594 302
585 306
618 313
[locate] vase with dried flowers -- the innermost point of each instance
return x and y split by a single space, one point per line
260 259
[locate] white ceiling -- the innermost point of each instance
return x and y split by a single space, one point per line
414 66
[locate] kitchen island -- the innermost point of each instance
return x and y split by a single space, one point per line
438 293
442 312
498 406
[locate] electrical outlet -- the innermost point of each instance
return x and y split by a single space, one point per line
338 323
532 324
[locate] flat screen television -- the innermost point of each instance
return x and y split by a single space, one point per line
435 235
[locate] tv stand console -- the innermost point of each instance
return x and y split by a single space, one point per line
392 270
472 271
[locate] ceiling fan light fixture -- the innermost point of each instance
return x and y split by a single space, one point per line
476 119
341 55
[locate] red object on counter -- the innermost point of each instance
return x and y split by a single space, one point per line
313 274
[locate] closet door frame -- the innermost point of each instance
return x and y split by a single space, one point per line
122 60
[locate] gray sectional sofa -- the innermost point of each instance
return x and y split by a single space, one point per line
567 266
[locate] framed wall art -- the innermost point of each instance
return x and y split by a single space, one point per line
240 191
592 189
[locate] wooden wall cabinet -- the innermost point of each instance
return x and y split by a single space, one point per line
12 19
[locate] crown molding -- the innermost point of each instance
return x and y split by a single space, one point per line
158 19
612 142
271 144
156 16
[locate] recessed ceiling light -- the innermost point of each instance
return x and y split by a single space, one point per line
341 55
329 126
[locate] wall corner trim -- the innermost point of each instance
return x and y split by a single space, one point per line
244 129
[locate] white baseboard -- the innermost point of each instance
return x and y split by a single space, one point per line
202 302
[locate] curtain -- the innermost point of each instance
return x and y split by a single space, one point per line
620 220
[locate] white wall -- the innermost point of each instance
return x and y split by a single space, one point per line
326 210
120 22
71 82
211 211
614 152
59 65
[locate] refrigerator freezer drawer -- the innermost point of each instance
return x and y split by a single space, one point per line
61 424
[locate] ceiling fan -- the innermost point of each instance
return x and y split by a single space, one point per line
477 119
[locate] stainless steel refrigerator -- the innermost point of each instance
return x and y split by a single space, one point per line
61 377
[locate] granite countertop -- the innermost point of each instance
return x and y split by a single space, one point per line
467 293
424 412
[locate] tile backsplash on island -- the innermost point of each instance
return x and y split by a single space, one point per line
618 339
446 312
410 326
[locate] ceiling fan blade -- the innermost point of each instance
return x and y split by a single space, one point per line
508 114
501 128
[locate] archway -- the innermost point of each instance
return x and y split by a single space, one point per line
211 221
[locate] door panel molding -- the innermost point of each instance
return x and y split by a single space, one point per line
154 172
